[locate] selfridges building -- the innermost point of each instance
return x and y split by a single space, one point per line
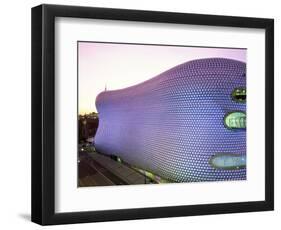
187 124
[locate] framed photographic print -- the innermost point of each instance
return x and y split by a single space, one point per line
144 114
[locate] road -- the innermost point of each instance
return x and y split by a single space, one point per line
92 173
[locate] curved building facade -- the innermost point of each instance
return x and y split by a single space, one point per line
174 125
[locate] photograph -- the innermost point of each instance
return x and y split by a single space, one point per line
160 113
142 113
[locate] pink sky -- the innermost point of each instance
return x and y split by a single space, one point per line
121 65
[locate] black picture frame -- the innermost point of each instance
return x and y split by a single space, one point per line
43 114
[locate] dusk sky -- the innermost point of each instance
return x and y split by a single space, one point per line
118 66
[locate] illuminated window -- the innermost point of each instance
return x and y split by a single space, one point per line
235 120
228 161
239 95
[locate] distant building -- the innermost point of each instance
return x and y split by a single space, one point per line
174 124
87 125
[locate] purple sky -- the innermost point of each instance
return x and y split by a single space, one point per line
118 66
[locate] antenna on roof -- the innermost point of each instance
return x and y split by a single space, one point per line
105 89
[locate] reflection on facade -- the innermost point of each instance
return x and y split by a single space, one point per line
173 124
